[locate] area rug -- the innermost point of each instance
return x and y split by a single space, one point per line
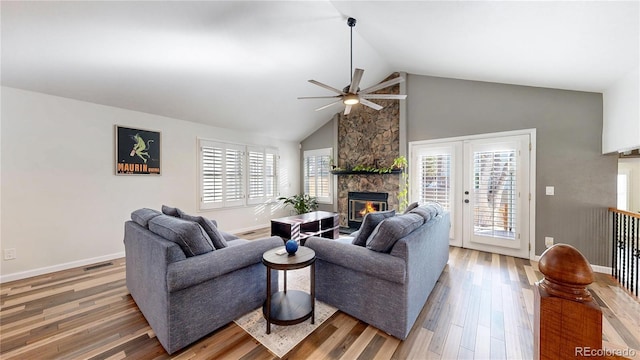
284 338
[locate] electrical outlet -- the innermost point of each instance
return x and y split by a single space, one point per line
548 241
9 254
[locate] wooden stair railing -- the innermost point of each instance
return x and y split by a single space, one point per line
568 322
625 265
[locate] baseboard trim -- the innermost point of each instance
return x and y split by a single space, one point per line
49 269
247 229
595 268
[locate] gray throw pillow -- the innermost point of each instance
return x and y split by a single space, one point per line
171 211
390 230
410 207
191 237
209 227
370 221
428 210
425 213
142 216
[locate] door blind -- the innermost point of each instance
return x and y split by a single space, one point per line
495 196
435 179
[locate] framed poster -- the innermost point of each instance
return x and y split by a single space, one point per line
137 151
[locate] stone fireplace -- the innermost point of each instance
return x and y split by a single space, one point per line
367 137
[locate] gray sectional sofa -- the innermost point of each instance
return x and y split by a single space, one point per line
384 274
189 278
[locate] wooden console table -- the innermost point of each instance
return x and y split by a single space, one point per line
299 227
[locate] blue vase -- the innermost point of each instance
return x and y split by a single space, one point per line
291 246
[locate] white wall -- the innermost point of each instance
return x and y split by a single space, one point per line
62 204
631 166
621 114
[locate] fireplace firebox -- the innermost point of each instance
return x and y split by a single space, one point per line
361 203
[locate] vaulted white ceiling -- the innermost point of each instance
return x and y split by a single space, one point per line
241 65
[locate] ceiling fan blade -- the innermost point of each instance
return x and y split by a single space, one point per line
383 85
326 87
347 109
383 96
319 97
370 104
328 105
355 82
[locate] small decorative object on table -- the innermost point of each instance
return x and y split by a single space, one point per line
291 246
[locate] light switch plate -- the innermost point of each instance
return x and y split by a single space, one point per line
548 241
550 190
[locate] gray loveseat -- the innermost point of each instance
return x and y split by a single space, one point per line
185 286
384 283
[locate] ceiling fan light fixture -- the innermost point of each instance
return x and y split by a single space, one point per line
351 94
351 99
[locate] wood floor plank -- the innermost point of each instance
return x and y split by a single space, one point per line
360 344
452 344
388 348
480 308
344 325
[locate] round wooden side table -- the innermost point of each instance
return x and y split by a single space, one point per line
292 306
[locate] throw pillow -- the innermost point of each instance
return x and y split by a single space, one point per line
171 211
428 210
209 227
370 221
411 206
390 230
142 216
425 213
191 237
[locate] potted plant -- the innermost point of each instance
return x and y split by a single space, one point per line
403 195
301 203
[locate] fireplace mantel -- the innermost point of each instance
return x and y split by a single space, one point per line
364 172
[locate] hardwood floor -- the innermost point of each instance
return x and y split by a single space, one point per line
481 307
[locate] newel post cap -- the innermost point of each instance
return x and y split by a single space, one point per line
566 273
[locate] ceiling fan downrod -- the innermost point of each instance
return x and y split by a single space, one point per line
351 22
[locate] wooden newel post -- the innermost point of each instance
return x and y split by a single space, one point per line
568 323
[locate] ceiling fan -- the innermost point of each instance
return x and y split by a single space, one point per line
351 94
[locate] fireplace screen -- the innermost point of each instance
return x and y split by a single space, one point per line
362 203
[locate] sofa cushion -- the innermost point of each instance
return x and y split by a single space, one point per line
171 211
410 207
217 238
428 210
142 216
191 237
392 229
370 221
424 213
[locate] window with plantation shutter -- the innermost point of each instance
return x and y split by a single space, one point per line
262 175
270 175
317 174
212 175
236 175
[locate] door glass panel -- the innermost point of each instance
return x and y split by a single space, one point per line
435 179
495 196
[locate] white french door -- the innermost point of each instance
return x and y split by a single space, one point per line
485 183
